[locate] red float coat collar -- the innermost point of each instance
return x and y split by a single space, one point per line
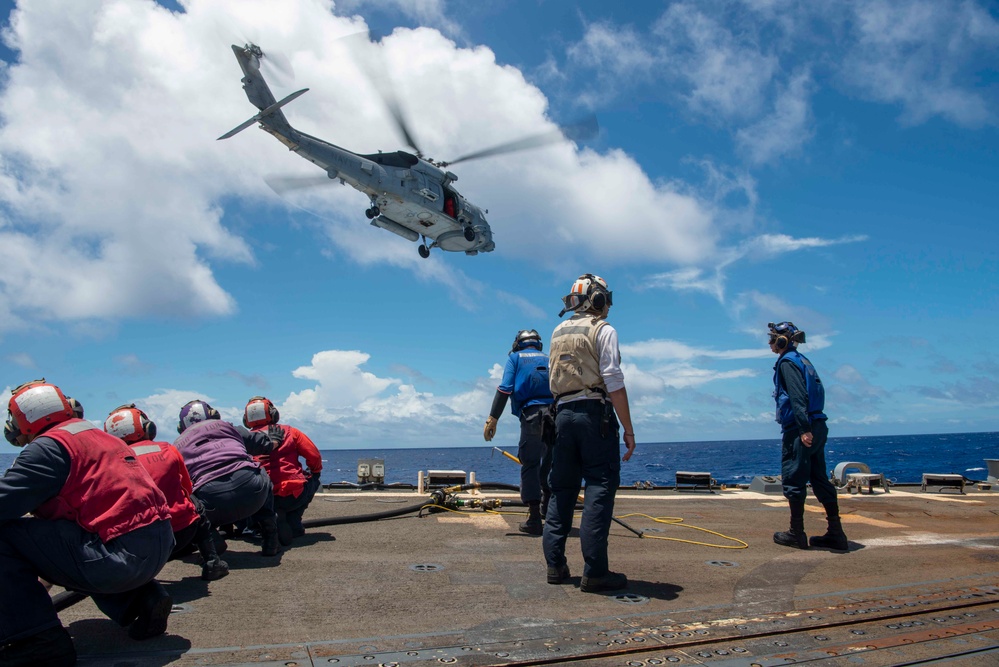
166 466
106 492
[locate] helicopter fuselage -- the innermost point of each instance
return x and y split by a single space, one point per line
410 196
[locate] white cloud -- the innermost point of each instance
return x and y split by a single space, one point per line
758 248
922 55
725 76
784 130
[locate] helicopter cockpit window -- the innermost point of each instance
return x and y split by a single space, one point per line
395 159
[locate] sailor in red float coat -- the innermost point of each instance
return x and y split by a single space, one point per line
286 473
100 526
191 528
166 466
294 488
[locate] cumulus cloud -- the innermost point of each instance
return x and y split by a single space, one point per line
758 248
148 90
348 405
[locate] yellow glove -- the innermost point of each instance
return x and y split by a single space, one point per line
490 430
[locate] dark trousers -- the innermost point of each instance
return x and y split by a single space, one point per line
535 460
581 453
65 554
293 507
239 495
801 465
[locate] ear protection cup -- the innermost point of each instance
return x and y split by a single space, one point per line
11 432
598 300
781 342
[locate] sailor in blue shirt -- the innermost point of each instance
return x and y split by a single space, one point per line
800 399
525 382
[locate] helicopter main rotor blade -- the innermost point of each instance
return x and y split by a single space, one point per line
578 131
372 66
284 184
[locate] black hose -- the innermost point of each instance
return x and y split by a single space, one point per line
360 518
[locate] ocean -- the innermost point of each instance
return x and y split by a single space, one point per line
901 458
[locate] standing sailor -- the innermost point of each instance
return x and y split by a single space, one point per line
525 379
590 398
800 399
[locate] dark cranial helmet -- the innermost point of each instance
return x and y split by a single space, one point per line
525 338
786 332
194 412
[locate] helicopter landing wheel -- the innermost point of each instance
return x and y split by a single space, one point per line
424 251
373 212
469 234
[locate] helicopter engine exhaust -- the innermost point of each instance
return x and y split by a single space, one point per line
395 228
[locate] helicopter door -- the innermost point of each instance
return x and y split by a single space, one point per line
450 203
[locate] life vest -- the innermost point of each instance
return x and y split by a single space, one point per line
166 466
212 449
282 465
574 360
106 492
816 392
531 385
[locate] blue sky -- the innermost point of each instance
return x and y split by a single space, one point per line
758 160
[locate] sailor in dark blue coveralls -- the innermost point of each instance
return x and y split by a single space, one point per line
590 398
800 400
525 380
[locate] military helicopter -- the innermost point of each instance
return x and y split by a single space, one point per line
410 195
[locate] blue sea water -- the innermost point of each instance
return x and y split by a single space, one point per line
902 458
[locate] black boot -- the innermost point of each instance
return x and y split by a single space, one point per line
533 525
285 534
212 567
52 647
151 612
269 532
834 538
795 535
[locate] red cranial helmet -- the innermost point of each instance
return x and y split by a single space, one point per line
259 412
34 407
130 424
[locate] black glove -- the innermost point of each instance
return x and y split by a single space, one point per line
276 435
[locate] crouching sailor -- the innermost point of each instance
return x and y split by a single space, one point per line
166 466
100 526
800 401
294 487
226 479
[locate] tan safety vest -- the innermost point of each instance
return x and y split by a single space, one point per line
573 360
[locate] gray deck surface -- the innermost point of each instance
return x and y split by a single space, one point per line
920 582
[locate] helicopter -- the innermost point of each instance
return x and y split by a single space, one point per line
410 195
